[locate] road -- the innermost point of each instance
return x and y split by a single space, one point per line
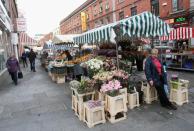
38 104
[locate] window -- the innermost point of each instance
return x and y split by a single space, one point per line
101 7
133 11
107 5
2 52
95 11
177 5
121 15
155 7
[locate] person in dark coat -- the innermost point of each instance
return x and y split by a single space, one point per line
24 59
156 77
13 68
32 57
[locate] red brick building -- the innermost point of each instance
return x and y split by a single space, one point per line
102 12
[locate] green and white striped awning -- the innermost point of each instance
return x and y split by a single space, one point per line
143 25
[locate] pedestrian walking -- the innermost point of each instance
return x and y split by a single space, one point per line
13 68
24 59
156 78
32 57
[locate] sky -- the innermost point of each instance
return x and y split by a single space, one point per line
43 16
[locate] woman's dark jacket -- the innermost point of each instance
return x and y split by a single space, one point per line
152 73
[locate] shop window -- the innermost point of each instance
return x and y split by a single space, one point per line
121 15
133 11
177 5
155 7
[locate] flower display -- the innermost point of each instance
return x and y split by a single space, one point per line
111 86
103 76
121 74
74 84
94 64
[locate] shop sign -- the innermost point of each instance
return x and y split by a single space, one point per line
14 38
180 20
83 20
21 24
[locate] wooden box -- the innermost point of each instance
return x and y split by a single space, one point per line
116 104
133 100
179 96
93 116
150 93
118 117
54 77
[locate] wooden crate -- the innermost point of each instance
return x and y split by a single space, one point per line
133 100
93 116
116 104
124 91
78 102
49 74
60 79
179 96
180 84
117 118
54 77
73 99
79 109
81 97
150 93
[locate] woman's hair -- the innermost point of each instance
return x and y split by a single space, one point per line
154 51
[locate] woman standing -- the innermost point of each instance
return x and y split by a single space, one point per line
13 68
156 77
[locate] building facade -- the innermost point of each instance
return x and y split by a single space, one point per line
8 15
96 13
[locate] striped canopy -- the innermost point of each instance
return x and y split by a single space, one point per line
143 25
50 45
181 33
25 39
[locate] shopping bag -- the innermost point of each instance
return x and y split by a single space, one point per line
20 75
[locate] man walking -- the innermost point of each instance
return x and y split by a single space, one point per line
24 59
32 57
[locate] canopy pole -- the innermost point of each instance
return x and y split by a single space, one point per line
117 54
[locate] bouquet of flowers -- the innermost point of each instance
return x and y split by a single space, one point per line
103 76
86 85
121 74
111 88
74 84
94 64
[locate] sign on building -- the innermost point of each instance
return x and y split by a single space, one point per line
21 24
14 38
83 20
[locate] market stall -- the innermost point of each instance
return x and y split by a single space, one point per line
181 56
109 85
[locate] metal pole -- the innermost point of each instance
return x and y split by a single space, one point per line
117 54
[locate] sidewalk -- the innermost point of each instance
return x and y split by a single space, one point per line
38 104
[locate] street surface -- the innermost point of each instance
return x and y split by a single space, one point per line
38 104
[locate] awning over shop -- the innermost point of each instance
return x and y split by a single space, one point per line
63 39
143 25
181 33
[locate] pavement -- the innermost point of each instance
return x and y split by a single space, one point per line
38 104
